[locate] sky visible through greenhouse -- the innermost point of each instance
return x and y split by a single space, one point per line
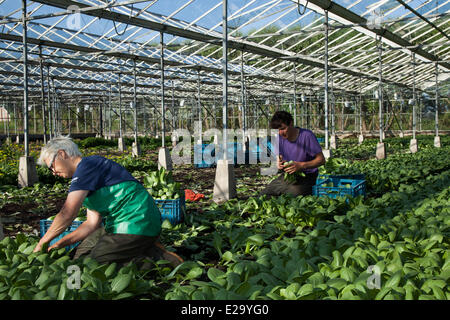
278 31
208 14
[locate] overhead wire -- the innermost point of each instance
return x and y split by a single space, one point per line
305 7
126 27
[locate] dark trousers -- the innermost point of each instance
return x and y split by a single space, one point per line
120 248
302 186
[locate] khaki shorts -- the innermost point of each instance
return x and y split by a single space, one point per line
112 247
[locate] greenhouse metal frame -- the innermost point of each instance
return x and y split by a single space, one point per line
310 57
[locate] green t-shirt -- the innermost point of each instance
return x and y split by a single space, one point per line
127 208
123 202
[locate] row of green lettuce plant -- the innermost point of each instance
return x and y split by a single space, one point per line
400 235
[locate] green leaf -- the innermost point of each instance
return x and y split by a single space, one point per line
45 278
426 297
109 272
62 292
227 256
438 293
233 281
394 280
123 295
216 275
41 296
348 274
348 252
337 283
269 279
430 283
244 289
338 260
347 293
194 273
410 292
256 239
305 291
274 296
290 292
445 274
21 238
120 282
316 279
217 242
383 292
53 291
437 237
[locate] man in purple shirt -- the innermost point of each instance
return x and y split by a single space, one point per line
297 145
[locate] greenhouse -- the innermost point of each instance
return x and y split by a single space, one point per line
239 150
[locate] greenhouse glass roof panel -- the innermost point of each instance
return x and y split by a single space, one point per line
276 35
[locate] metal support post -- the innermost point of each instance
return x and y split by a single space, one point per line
163 112
25 77
326 80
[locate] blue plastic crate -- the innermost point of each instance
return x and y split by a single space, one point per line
256 151
341 188
172 210
267 148
322 177
321 140
45 225
199 151
232 150
204 165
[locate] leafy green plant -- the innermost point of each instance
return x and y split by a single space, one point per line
161 185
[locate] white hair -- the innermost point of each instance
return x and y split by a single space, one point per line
58 143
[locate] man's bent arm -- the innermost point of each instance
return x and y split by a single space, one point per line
64 217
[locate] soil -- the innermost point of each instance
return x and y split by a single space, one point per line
202 180
24 218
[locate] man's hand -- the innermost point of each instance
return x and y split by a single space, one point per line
280 162
293 167
41 244
63 219
38 247
54 246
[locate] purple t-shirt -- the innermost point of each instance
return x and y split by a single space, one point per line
304 148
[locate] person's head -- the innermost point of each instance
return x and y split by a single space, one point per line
60 155
283 122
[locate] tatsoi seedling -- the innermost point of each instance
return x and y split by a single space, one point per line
292 177
160 185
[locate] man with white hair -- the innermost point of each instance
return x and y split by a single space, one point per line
132 221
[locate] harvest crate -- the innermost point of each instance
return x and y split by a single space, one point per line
199 151
322 177
45 225
204 165
256 151
232 150
172 210
341 188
